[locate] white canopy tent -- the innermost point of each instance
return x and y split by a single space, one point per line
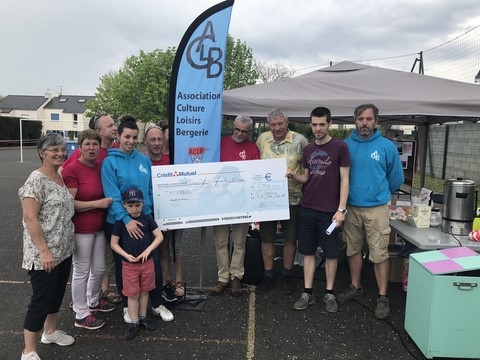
403 98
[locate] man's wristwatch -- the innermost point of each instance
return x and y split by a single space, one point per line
343 211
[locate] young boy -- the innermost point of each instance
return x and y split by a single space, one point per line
137 263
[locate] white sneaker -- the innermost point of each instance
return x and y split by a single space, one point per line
126 315
32 355
58 337
163 312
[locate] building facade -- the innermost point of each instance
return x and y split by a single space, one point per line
57 112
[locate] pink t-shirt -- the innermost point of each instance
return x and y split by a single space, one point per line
88 183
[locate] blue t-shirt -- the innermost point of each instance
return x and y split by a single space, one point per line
131 245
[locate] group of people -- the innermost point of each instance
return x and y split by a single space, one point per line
78 211
330 181
100 200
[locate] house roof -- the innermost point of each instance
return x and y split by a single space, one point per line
70 104
21 102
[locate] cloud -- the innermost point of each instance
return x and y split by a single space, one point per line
52 43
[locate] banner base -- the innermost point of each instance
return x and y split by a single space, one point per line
192 301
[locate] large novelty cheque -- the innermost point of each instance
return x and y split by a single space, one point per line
195 195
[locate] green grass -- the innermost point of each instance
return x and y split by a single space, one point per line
434 184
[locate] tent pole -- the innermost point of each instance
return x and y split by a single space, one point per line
423 131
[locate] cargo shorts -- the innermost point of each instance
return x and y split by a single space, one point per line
372 224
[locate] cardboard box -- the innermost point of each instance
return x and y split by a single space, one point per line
396 203
401 203
399 209
421 215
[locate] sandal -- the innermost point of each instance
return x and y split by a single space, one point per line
112 296
180 289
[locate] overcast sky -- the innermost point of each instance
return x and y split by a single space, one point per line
70 44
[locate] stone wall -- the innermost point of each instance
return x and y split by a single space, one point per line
462 144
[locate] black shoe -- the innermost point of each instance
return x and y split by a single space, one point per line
288 285
352 293
167 293
149 325
132 331
267 284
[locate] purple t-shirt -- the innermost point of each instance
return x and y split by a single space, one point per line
322 190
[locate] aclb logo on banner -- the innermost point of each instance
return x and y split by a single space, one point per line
196 88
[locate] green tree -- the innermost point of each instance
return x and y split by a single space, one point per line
240 69
106 99
139 87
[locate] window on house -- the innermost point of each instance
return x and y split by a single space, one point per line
62 100
54 116
82 100
75 119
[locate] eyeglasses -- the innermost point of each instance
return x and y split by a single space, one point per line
244 132
57 151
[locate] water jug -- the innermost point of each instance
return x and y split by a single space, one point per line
435 217
459 204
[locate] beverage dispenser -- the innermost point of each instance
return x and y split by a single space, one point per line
459 205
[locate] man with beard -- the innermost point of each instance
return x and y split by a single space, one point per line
376 171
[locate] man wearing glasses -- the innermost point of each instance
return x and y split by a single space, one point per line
236 147
280 142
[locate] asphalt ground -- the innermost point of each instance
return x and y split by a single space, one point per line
248 327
